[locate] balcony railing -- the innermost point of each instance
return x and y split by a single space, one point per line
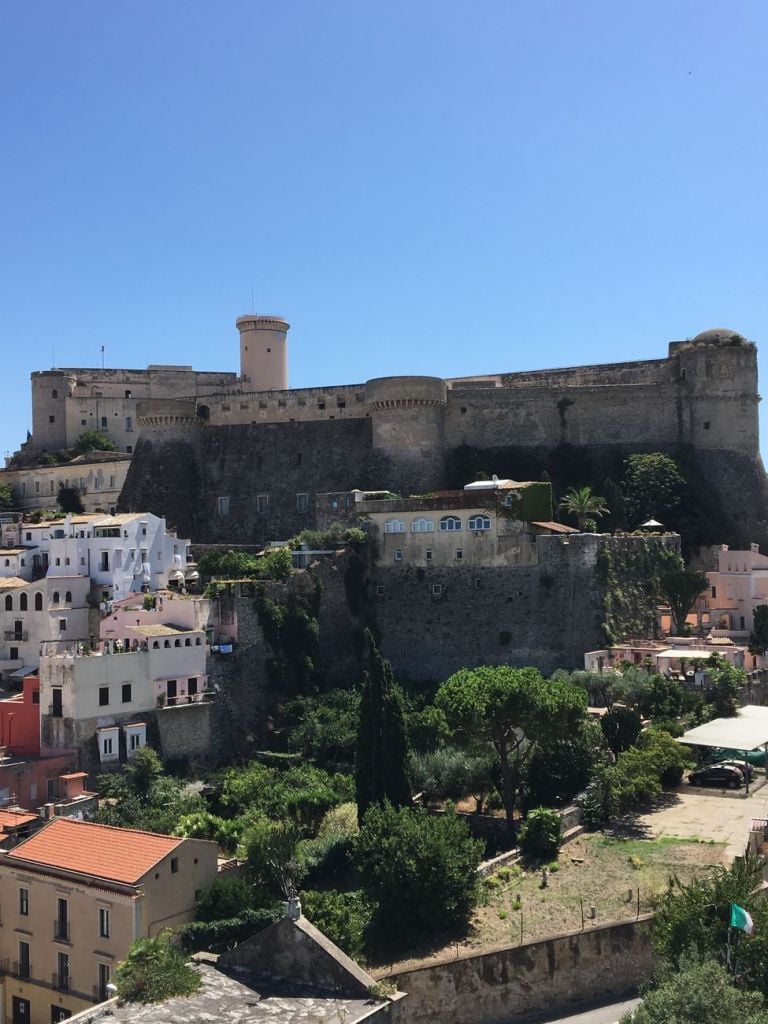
55 712
61 930
60 981
12 634
101 994
22 970
205 697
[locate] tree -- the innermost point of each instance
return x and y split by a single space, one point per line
68 499
723 682
142 771
225 898
6 498
512 709
93 440
453 773
621 727
681 588
584 506
758 638
381 763
325 726
663 699
419 870
653 487
155 970
701 990
561 768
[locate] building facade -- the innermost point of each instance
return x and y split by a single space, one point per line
97 477
75 895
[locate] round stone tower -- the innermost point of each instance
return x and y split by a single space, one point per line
718 385
407 427
263 352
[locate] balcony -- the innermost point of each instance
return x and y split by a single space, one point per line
21 970
205 697
12 634
61 930
60 981
54 711
101 993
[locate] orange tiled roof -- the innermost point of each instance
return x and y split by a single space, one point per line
13 819
117 854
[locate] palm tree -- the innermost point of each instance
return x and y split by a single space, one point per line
584 506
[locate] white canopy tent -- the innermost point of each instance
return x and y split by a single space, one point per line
745 732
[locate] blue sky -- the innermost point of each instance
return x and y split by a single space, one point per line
432 187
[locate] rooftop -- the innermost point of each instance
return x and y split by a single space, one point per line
117 854
241 1000
161 630
12 582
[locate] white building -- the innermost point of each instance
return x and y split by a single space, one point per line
735 589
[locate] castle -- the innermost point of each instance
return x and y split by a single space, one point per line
226 456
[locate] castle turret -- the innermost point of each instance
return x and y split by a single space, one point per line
718 388
263 352
407 425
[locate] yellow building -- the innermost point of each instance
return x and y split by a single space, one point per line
74 896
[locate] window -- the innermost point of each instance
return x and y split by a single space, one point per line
459 554
129 424
104 974
126 693
54 393
35 700
422 525
262 503
62 980
103 923
51 419
24 902
14 653
714 591
62 625
174 865
83 423
68 597
450 523
394 526
38 602
302 502
129 448
8 603
23 964
428 554
111 481
380 590
398 554
222 505
23 603
103 422
104 564
107 745
437 589
134 741
103 696
479 523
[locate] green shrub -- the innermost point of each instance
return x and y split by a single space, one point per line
225 898
155 970
342 916
218 936
540 836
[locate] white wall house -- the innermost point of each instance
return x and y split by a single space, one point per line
735 589
50 609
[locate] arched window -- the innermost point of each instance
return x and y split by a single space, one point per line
155 644
177 643
55 597
422 526
198 641
68 597
22 602
394 526
188 642
450 523
479 523
167 643
38 602
8 603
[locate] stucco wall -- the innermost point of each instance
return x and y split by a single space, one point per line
501 986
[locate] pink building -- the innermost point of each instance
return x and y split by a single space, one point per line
736 588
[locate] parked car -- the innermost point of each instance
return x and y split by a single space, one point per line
723 775
745 769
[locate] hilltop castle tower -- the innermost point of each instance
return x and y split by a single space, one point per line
263 352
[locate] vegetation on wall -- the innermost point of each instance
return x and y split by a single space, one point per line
292 632
630 574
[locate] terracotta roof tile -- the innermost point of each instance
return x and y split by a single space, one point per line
13 819
118 854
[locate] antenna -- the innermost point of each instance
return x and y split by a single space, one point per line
102 357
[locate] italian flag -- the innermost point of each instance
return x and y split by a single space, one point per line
740 918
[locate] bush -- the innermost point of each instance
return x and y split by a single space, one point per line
540 836
93 440
599 802
418 870
561 768
621 727
155 970
274 564
225 898
218 936
342 916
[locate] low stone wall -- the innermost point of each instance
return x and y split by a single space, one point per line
505 985
185 731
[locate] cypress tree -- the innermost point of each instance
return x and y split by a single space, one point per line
381 771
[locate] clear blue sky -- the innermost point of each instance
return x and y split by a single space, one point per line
419 187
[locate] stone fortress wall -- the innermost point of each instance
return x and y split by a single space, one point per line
401 431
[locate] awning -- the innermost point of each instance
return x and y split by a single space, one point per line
177 575
690 655
748 730
193 575
25 670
